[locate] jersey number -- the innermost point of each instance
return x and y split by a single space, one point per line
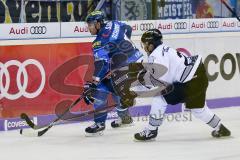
189 63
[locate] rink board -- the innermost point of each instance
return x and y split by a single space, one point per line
64 73
139 111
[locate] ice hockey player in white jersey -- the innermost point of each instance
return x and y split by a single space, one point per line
189 83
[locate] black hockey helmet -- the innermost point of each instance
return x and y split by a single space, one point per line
152 36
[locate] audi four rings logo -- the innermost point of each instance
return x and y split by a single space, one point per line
21 72
146 26
38 30
180 25
212 24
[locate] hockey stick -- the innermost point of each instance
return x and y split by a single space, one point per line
30 123
35 127
40 133
230 9
34 133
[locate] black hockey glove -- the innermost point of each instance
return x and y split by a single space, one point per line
89 90
128 100
88 100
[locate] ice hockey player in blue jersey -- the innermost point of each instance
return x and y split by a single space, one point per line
111 48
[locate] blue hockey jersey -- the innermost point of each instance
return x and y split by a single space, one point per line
112 42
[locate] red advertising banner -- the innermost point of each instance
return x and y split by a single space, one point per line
35 79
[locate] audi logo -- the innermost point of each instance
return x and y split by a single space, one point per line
146 26
38 30
180 25
212 24
22 86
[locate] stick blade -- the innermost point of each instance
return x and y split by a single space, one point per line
28 133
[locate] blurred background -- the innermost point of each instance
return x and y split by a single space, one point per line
32 11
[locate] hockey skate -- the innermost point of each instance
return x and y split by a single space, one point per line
222 132
95 130
122 122
146 135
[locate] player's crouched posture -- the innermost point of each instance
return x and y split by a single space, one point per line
187 76
112 48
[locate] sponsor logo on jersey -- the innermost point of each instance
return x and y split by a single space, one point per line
116 31
108 26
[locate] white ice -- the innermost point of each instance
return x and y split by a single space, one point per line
176 141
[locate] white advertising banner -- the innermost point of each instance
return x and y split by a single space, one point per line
79 29
173 26
205 25
230 24
74 29
29 30
139 27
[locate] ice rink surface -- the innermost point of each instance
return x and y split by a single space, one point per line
176 140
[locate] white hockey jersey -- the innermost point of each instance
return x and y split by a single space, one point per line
180 68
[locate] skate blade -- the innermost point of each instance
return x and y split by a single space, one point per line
222 137
94 134
150 140
125 125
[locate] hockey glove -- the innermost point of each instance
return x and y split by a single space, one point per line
89 90
88 100
128 100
